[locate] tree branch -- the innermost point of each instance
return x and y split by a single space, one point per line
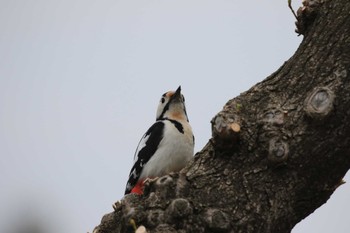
278 150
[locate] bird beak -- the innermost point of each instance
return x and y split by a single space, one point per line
177 95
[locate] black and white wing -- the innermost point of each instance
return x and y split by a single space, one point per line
145 150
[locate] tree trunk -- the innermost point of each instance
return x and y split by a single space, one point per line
277 153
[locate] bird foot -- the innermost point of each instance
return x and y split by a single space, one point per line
148 181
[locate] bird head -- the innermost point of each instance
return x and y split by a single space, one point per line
172 106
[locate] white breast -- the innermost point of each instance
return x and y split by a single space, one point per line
173 153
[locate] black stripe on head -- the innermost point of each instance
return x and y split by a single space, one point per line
165 109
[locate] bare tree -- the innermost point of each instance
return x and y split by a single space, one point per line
277 153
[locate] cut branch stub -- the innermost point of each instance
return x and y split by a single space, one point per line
319 104
178 209
217 221
274 116
141 229
160 185
155 217
225 130
226 125
278 150
306 15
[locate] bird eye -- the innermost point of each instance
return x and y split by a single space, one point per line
162 100
183 98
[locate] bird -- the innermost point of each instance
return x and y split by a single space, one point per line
167 146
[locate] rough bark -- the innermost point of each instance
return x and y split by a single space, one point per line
278 151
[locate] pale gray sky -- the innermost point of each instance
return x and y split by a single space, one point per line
80 81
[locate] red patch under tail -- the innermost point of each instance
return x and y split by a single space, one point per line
138 188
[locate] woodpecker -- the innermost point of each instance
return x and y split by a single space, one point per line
167 145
